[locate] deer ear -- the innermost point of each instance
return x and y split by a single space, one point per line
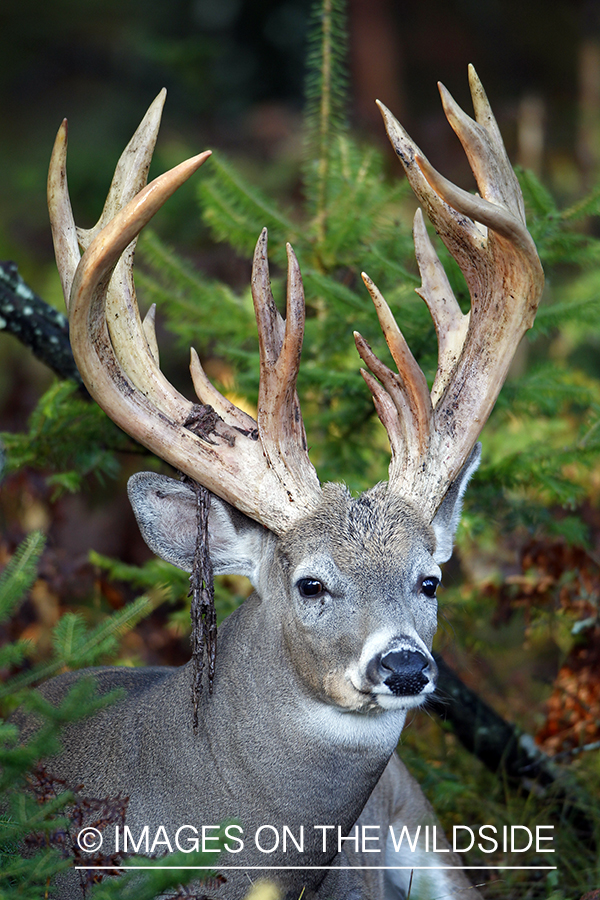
447 517
165 510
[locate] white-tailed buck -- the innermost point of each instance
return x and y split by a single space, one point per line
317 669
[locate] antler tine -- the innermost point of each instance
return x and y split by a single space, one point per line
64 231
450 323
280 343
488 237
444 218
484 148
407 391
133 342
87 309
131 171
130 337
228 460
149 326
210 396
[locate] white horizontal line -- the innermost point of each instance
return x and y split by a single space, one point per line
310 868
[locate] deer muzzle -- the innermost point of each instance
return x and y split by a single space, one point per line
407 672
404 671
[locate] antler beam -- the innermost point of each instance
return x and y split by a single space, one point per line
431 436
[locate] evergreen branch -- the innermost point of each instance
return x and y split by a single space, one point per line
550 390
409 279
173 268
591 435
164 876
576 309
14 654
317 283
183 297
87 444
20 573
153 573
235 210
536 196
325 95
76 647
16 759
587 206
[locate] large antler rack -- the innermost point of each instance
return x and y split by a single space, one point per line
261 467
432 434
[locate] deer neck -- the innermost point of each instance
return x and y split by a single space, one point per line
291 747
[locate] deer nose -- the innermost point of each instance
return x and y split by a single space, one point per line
407 672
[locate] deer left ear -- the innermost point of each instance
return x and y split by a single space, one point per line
165 510
447 517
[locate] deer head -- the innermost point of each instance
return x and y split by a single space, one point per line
261 468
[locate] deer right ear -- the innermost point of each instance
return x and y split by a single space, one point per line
165 510
446 519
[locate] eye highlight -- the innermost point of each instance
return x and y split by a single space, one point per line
310 588
429 586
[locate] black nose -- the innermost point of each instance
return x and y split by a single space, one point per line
406 672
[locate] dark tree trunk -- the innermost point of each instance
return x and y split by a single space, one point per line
36 324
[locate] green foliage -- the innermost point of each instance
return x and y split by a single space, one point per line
325 93
76 646
172 584
19 574
464 792
155 880
21 814
233 207
68 437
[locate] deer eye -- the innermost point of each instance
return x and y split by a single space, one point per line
310 587
429 586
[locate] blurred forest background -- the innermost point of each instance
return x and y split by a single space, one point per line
520 616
